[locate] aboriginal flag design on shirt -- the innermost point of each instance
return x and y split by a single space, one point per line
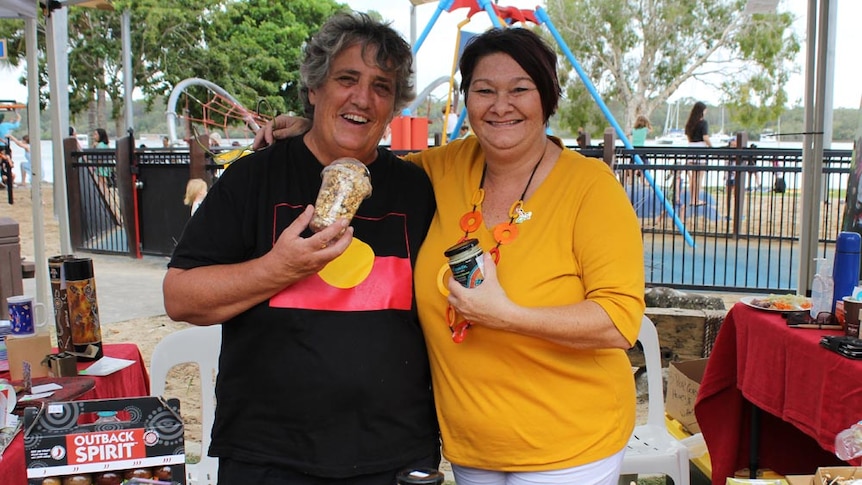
374 273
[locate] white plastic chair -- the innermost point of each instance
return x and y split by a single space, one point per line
651 448
201 346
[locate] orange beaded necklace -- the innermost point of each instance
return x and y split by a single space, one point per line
504 233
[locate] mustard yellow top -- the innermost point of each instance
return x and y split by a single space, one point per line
515 403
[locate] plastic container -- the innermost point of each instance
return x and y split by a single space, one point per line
845 269
346 183
465 260
821 288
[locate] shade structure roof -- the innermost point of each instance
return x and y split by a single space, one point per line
18 9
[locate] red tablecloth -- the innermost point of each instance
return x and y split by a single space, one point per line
807 394
133 381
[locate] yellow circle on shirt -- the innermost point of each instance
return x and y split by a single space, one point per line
351 268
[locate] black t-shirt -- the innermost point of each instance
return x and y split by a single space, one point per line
700 129
330 376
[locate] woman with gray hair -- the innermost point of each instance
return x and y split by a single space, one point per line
323 375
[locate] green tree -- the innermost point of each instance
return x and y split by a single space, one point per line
252 48
639 52
255 48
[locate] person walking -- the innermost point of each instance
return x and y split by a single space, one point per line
697 132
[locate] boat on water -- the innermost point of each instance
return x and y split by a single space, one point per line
721 139
674 137
768 136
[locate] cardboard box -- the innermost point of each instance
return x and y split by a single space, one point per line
825 475
756 481
683 381
32 349
799 479
62 439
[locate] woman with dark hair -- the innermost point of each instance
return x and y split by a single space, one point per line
697 132
105 174
540 389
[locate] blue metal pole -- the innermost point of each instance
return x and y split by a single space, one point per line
488 6
543 18
442 6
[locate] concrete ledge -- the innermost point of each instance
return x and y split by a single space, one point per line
685 334
28 269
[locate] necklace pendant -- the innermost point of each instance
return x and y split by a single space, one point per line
522 216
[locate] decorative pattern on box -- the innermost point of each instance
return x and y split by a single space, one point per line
147 439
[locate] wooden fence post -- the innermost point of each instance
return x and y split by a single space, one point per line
609 151
125 151
73 193
198 159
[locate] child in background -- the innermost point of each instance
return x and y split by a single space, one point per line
196 191
26 168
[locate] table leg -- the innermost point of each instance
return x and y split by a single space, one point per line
754 442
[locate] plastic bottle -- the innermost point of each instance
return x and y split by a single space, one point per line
821 288
848 443
845 269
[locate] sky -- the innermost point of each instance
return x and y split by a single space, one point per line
435 56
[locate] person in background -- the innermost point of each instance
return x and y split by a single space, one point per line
697 132
7 173
450 121
215 140
26 167
166 142
582 138
640 131
323 374
464 131
540 388
196 191
101 140
6 163
6 127
74 134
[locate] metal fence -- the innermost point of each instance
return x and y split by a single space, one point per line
744 223
98 207
743 238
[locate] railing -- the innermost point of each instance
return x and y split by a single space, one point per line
745 239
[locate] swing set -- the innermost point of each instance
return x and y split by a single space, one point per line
411 133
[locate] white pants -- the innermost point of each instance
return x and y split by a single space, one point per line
602 472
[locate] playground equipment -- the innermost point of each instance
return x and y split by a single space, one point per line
502 17
218 111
